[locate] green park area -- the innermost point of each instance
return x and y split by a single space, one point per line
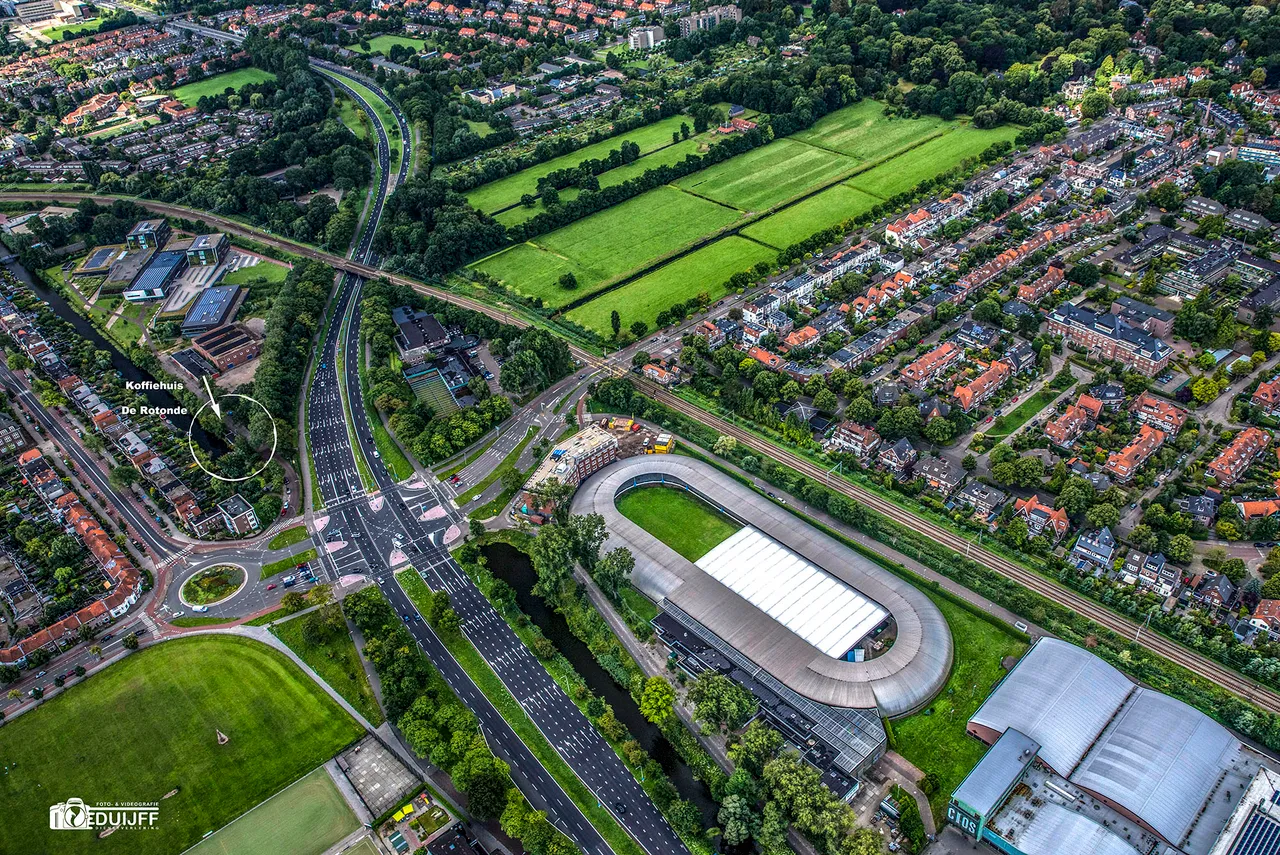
305 818
705 269
350 114
677 518
146 730
219 83
1009 422
505 192
871 157
330 651
935 739
383 44
73 30
263 270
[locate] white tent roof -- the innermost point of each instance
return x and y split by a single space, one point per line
813 604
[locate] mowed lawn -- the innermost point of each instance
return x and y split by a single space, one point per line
767 176
306 818
937 742
929 159
627 236
216 85
677 518
499 194
534 272
148 725
703 270
338 664
382 44
862 131
820 211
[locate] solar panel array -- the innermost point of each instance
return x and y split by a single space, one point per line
1261 836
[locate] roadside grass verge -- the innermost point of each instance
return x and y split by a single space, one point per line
468 460
392 457
507 462
263 620
488 682
289 537
269 570
337 662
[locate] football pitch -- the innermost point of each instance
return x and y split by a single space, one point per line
305 818
146 730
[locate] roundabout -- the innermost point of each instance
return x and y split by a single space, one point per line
213 585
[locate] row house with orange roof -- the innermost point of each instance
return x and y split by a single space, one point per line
982 387
1066 428
931 366
1267 397
1126 462
1042 517
1033 292
1238 456
1016 255
1159 413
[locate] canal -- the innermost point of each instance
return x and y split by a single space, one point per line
120 362
514 567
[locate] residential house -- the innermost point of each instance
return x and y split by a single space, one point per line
853 438
940 474
1021 357
1126 462
975 335
1041 517
1034 292
983 386
1110 395
1257 508
1065 428
1159 413
1214 591
929 367
663 373
1091 405
1111 338
238 515
1094 549
1267 397
898 458
983 498
1151 572
1266 618
1202 509
1238 456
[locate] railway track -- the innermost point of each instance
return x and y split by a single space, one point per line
1171 650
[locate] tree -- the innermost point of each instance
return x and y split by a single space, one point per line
969 463
657 701
725 446
988 312
1180 549
292 602
758 745
613 570
123 477
737 820
939 431
639 359
130 642
1103 516
1076 496
615 322
1166 196
1094 104
568 281
720 701
639 329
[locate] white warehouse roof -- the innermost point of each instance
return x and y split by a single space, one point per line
813 604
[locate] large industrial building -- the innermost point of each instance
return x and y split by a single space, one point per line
828 641
1086 762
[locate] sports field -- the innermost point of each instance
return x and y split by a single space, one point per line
929 159
703 270
216 85
823 210
767 176
497 195
382 44
148 725
305 818
685 523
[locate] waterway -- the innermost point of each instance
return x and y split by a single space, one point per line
120 362
514 567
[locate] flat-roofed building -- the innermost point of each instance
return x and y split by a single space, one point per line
226 347
154 280
214 307
208 250
418 334
148 234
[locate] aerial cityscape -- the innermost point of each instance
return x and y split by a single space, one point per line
639 427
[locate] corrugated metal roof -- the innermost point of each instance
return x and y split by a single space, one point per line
1060 695
999 769
1055 830
1160 759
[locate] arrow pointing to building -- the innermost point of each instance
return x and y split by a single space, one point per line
213 402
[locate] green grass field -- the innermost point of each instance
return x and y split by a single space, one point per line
289 537
937 742
626 236
338 663
861 131
216 85
704 270
767 176
385 118
350 114
57 34
680 520
927 160
146 726
1011 421
287 563
820 211
534 272
382 44
507 191
305 818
